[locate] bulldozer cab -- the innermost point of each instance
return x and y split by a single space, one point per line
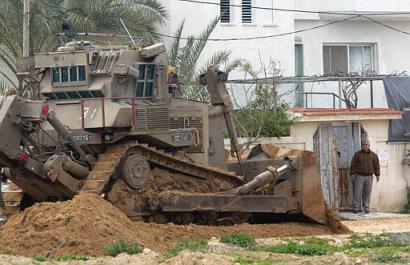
81 70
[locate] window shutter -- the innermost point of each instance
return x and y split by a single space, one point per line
225 11
246 11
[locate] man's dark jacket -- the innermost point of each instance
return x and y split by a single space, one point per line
365 163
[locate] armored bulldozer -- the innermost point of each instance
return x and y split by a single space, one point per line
109 116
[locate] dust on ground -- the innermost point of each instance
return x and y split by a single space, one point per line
88 223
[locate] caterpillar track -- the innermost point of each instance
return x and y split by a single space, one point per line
110 167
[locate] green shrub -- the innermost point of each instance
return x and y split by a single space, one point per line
40 258
190 244
68 219
67 257
121 247
255 261
239 239
307 247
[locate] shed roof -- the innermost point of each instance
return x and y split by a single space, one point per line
348 114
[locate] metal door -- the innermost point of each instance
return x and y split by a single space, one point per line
327 150
335 145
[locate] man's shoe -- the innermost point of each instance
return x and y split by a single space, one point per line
355 211
366 211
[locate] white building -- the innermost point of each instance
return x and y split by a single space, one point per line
367 43
350 46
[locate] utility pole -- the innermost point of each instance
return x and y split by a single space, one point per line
26 29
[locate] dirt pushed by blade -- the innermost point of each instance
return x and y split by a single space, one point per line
334 222
88 223
162 184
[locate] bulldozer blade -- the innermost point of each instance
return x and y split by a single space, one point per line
302 185
313 202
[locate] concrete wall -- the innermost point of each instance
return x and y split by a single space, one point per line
390 194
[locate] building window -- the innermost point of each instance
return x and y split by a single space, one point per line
145 81
246 11
225 11
348 58
268 12
68 74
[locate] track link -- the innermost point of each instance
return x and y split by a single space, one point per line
108 164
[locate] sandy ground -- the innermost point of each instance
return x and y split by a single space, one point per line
193 258
227 255
377 222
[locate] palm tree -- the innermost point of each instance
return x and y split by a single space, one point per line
142 17
184 55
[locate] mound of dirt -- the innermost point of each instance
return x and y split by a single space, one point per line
88 223
84 225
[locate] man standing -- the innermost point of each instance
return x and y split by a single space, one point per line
364 164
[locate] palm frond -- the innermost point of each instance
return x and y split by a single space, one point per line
199 46
174 46
232 65
218 58
3 86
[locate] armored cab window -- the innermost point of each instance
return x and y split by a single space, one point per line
82 73
85 94
145 81
61 95
73 95
72 74
64 74
56 75
49 96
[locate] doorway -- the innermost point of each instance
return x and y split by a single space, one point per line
335 144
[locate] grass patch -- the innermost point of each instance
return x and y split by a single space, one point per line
255 261
389 256
121 247
65 257
189 244
307 247
372 241
239 239
68 219
40 258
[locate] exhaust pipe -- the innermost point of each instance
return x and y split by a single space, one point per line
66 134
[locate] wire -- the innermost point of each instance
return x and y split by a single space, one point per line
352 16
263 37
302 11
385 25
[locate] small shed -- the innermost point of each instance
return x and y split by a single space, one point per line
335 135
